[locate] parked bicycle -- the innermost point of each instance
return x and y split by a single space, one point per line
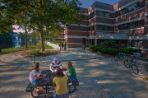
130 62
145 64
146 67
119 56
44 88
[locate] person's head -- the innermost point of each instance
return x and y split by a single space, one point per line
55 60
69 64
35 66
59 73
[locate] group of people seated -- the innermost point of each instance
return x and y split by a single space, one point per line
60 80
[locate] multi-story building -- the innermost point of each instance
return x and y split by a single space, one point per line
74 33
125 21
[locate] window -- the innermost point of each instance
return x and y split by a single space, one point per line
103 14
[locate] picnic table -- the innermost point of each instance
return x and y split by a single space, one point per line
46 83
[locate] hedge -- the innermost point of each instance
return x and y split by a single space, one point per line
112 51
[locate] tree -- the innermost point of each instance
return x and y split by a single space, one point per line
20 12
5 22
6 40
42 16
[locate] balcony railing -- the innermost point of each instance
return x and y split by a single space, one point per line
130 17
137 31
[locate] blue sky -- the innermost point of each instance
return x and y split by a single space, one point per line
87 3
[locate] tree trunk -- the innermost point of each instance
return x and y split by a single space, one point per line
26 37
42 41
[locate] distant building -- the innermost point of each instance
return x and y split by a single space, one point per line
16 40
125 22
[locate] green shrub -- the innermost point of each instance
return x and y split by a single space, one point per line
112 51
129 50
108 44
93 48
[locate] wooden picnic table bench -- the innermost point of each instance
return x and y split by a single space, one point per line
46 84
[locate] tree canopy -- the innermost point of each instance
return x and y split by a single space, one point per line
38 15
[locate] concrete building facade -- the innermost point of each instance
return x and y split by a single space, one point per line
126 22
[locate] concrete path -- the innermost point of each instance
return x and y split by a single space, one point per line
54 46
99 76
5 59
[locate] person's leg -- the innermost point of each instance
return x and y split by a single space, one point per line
77 82
34 83
58 96
71 78
63 96
39 82
40 89
66 96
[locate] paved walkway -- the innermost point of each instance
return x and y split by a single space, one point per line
9 58
99 76
54 46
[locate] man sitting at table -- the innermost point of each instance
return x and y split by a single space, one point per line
35 77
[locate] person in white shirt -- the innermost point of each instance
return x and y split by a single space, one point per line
55 64
35 74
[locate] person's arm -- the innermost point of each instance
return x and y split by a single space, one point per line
70 71
35 74
42 76
53 82
38 75
67 79
63 68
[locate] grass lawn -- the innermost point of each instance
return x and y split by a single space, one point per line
38 46
33 49
10 50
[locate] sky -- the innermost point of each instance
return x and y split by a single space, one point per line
87 3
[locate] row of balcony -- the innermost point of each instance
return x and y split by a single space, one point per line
126 18
131 32
131 8
137 31
108 27
130 17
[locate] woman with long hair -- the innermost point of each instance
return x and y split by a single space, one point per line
60 82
